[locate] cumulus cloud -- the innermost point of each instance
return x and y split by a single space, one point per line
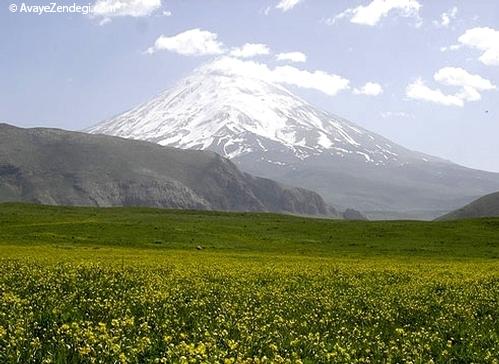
297 57
250 50
369 89
193 42
469 85
376 10
484 39
327 83
134 8
419 91
198 42
285 5
446 18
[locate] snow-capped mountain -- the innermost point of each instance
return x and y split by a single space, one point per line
236 115
269 131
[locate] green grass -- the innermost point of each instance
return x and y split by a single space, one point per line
245 232
128 285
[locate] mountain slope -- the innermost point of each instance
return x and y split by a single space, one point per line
68 168
486 206
238 115
268 131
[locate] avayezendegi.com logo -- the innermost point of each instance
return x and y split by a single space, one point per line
50 8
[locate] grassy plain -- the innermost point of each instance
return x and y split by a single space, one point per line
128 285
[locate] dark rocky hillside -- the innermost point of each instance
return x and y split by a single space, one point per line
58 167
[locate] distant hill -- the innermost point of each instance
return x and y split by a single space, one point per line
57 167
486 206
351 214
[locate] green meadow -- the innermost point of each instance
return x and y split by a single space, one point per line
136 285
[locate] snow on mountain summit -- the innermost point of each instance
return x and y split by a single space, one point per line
236 111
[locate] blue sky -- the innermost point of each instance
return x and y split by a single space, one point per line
422 73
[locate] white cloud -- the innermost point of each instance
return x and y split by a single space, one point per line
135 8
446 18
194 42
250 50
486 40
470 86
453 47
327 83
372 13
397 114
286 5
369 89
297 57
455 76
419 91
